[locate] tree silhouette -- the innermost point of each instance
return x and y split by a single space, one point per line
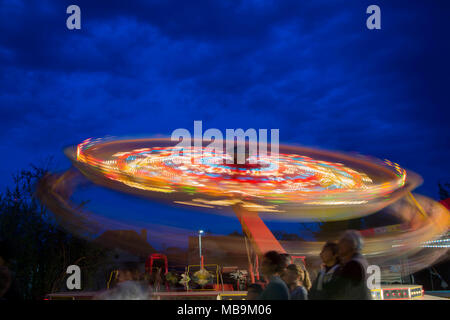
41 251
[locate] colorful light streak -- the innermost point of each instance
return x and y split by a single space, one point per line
337 186
302 184
290 181
415 236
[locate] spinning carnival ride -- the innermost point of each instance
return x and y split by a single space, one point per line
298 184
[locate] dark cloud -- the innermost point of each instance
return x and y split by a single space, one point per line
311 69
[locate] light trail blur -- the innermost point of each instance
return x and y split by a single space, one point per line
302 185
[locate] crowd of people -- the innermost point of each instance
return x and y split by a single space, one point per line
343 274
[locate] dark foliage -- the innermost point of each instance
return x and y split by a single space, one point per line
40 251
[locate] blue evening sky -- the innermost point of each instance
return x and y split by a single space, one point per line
309 68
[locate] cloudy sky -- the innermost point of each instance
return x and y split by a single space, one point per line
309 68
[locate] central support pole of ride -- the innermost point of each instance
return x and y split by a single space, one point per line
261 238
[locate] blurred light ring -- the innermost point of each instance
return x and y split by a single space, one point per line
55 191
312 183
